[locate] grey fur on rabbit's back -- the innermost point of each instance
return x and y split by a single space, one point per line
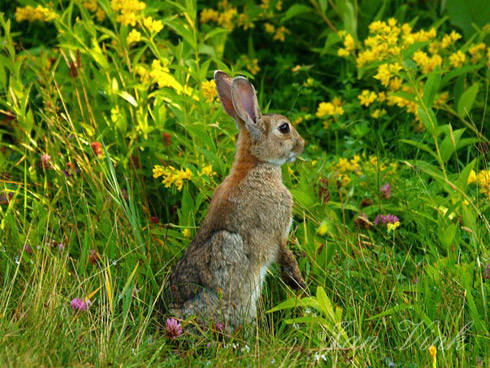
246 229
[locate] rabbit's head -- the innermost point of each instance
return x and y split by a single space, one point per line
273 138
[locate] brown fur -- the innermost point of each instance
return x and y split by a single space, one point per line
247 226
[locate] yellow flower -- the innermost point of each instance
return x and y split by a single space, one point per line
253 67
158 171
280 34
127 19
433 354
269 28
161 75
378 113
143 73
475 53
342 52
383 74
349 43
128 10
208 171
472 177
209 90
322 229
337 101
91 5
290 170
32 14
186 232
457 59
329 108
100 14
172 176
297 68
133 37
392 227
209 15
367 97
153 26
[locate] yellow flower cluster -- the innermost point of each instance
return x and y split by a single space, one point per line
330 108
383 48
172 176
224 17
386 40
367 97
386 71
279 33
477 52
32 14
161 75
344 167
153 26
133 37
208 171
348 45
209 90
482 179
425 62
128 10
457 59
93 7
252 65
228 16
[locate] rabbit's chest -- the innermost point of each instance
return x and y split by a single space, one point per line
268 214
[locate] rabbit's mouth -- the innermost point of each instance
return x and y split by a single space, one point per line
292 157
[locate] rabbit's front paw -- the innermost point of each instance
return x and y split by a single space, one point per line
291 275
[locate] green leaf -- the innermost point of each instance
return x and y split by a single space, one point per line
431 87
390 311
450 144
466 101
462 181
428 119
422 146
126 96
325 303
349 17
446 236
294 11
295 303
323 5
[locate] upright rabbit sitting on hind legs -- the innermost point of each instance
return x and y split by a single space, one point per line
221 273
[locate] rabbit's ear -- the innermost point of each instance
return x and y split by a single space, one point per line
223 86
246 105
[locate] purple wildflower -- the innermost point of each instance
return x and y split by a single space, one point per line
79 304
385 191
173 328
61 247
220 327
386 219
27 249
45 161
5 198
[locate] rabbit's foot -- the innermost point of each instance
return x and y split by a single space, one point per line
290 272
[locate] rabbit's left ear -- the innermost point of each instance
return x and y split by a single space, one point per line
246 105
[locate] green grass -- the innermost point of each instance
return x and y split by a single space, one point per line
375 298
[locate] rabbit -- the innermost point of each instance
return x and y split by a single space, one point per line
246 229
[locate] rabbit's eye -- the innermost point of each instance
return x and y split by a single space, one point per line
284 128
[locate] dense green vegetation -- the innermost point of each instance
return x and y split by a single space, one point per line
112 141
